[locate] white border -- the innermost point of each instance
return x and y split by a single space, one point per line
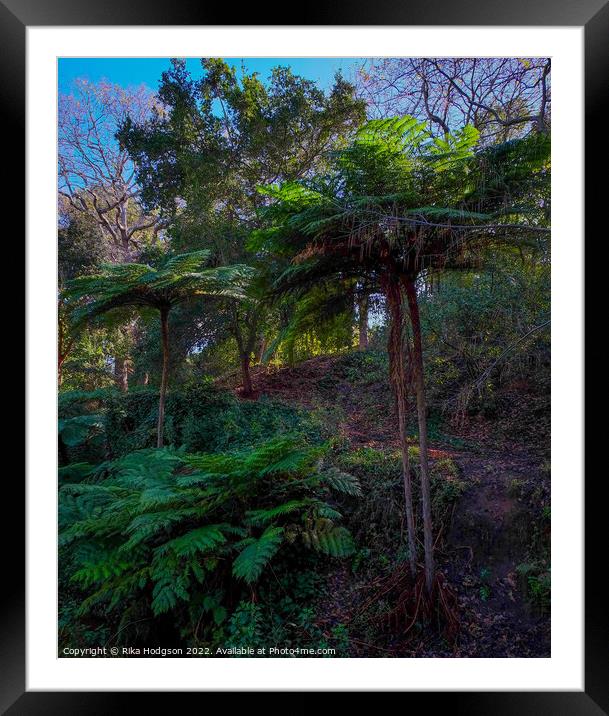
564 670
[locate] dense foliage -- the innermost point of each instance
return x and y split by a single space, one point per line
160 531
304 366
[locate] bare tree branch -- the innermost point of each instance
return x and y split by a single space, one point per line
502 97
95 175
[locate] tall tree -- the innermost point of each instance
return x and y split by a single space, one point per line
81 250
96 176
399 203
201 159
178 279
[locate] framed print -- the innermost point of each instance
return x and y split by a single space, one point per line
305 355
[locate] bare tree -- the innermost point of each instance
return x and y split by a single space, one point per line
95 175
502 97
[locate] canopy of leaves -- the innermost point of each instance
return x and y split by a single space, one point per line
177 279
398 201
218 137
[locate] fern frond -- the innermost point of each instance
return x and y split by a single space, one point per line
261 517
342 482
329 513
333 541
336 542
143 527
252 560
112 566
202 539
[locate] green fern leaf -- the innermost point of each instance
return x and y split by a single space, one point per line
203 539
164 598
342 482
335 542
101 571
261 517
324 510
252 560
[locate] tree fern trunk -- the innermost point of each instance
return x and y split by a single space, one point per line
121 374
419 383
399 379
246 374
362 306
163 392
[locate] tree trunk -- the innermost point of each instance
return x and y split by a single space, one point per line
163 392
399 379
362 308
261 348
61 359
419 384
290 356
245 373
121 374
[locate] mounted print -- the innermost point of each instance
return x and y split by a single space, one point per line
304 357
305 366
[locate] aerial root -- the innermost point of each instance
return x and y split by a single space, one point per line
413 604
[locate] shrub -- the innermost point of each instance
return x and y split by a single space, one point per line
535 582
200 418
190 535
377 520
80 437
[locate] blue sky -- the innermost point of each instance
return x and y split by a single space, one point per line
127 71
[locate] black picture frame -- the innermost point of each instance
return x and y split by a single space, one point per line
593 15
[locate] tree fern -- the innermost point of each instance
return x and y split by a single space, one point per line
396 203
165 528
135 286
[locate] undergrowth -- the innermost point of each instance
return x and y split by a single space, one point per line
200 418
187 538
377 520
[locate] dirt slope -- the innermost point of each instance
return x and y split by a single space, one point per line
492 528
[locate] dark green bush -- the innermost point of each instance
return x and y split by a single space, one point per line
377 519
199 418
182 539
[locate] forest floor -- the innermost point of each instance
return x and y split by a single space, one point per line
486 542
487 549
